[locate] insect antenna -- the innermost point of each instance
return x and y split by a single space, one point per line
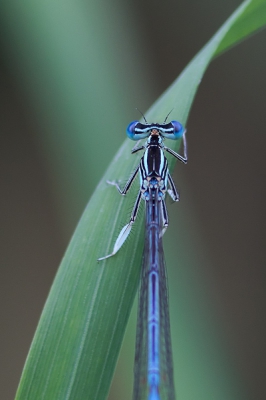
142 115
167 116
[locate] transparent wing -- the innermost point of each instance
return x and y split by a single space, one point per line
141 378
140 390
167 390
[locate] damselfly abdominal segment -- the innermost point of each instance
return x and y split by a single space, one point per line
153 371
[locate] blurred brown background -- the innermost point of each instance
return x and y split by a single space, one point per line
223 185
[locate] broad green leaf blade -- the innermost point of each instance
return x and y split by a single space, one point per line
76 345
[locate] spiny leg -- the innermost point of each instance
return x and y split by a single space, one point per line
127 185
172 191
165 220
182 158
136 148
125 230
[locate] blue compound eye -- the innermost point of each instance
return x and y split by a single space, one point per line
178 129
137 130
131 130
173 130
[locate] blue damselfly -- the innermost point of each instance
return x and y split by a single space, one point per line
153 371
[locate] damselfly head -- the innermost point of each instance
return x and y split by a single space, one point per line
171 130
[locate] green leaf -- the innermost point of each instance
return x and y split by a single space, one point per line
76 345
